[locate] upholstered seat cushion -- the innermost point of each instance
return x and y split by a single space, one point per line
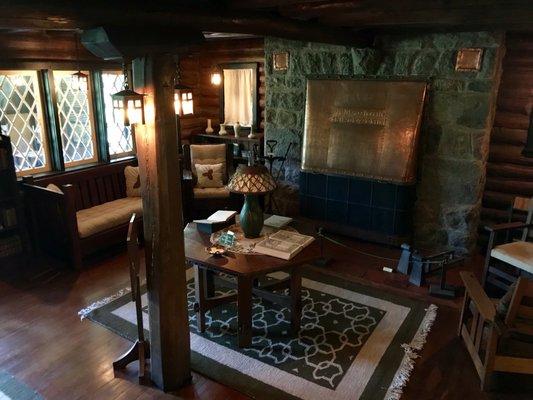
211 193
108 215
517 254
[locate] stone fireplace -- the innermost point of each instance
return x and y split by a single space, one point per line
455 129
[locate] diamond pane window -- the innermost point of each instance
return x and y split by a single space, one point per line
119 137
21 119
75 120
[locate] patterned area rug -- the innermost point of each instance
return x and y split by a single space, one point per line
13 389
355 342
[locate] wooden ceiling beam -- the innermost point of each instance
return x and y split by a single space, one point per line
497 17
469 14
61 15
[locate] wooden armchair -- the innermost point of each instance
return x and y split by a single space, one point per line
203 201
513 256
508 336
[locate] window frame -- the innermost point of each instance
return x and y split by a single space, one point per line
92 119
40 98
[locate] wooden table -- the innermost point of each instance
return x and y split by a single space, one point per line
246 268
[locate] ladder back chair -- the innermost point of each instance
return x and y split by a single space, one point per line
141 348
498 338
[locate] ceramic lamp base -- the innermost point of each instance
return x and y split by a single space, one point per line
251 217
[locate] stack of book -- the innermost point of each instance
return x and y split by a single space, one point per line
215 222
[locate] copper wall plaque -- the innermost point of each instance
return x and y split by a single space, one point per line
366 128
280 61
468 59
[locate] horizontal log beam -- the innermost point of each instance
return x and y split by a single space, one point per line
521 188
511 120
385 14
82 15
516 137
517 172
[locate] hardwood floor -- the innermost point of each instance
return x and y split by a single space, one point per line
44 344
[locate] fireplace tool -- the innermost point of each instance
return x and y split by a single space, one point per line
419 266
271 158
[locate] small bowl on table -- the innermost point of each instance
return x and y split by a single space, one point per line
216 250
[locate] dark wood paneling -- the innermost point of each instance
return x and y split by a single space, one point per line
44 47
196 68
509 173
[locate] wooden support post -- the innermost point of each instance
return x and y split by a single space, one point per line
163 223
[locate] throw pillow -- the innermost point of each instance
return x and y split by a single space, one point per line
209 176
133 181
54 188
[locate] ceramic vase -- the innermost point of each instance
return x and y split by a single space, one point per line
209 128
237 129
251 217
252 133
222 130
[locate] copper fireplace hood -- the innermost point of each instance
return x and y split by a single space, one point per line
363 128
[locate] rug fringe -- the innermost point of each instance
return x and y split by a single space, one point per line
102 302
411 353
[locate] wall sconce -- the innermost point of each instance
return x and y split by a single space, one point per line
216 77
79 80
128 105
183 99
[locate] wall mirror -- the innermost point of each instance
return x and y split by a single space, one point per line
238 94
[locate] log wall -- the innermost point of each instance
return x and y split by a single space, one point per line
509 173
196 69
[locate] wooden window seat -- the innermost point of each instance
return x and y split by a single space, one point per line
90 212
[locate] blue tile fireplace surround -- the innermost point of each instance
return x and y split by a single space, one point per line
370 209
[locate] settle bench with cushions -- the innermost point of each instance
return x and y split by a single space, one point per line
79 212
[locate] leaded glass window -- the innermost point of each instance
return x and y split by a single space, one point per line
75 120
119 137
21 119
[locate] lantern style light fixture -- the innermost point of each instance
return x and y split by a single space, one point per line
216 77
183 99
128 105
79 80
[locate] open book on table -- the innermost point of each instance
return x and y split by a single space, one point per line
283 244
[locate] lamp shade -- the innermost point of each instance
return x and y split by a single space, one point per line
251 179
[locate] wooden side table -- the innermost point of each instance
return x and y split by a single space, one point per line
246 269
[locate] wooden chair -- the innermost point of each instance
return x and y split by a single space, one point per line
203 202
505 349
140 349
518 254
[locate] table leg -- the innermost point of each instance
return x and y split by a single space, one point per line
244 306
209 283
199 289
295 292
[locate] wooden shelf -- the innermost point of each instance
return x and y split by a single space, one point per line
231 138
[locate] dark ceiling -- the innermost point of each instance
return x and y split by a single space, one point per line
343 22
